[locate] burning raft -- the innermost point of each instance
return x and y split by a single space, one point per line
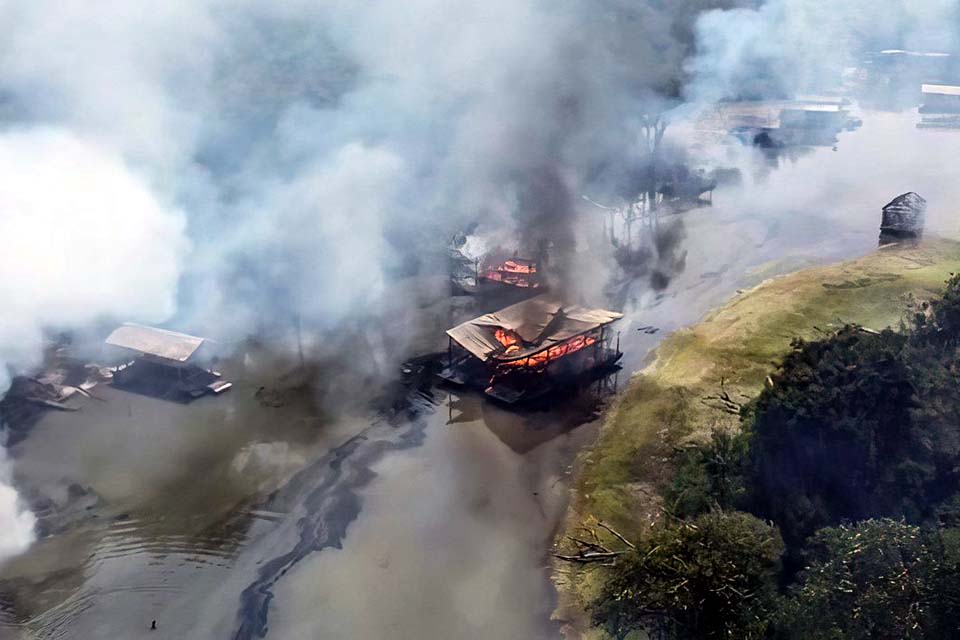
164 364
527 349
495 275
515 272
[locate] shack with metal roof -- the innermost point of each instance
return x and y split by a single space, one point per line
940 98
903 217
163 363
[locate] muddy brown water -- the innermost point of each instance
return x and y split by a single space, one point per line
227 519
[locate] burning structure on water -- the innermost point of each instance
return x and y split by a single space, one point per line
164 364
524 273
530 348
474 269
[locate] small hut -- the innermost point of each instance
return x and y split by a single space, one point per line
163 363
940 98
527 349
903 217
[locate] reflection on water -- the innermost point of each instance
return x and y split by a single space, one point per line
128 560
229 515
524 429
452 538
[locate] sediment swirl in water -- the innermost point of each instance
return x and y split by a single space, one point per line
328 491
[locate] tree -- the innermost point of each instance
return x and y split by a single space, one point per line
861 424
938 322
833 437
710 577
877 580
709 476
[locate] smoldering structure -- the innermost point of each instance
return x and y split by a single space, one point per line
62 384
526 350
164 364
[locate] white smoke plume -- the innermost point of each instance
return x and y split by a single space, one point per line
83 237
16 521
294 133
785 47
224 165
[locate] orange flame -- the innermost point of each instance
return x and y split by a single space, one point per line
518 274
508 339
542 358
512 266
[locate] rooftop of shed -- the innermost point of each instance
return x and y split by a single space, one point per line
161 343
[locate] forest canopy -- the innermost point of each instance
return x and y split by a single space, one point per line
831 513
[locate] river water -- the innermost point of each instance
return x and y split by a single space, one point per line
228 519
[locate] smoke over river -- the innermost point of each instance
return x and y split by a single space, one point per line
228 167
300 141
84 237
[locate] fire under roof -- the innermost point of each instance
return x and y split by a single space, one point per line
540 323
160 343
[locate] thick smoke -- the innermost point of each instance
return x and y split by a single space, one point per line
83 237
16 523
317 146
786 47
236 167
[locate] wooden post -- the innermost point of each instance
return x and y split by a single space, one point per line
299 339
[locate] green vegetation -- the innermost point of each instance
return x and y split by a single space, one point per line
709 577
709 477
832 438
876 580
782 405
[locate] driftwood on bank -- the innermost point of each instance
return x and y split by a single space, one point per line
723 401
593 550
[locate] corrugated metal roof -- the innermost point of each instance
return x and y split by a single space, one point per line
921 54
815 99
534 320
941 89
832 108
169 345
909 199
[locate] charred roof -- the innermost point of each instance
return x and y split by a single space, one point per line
538 323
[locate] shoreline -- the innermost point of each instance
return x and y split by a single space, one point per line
619 477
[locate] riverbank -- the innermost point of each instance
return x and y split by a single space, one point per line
621 477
